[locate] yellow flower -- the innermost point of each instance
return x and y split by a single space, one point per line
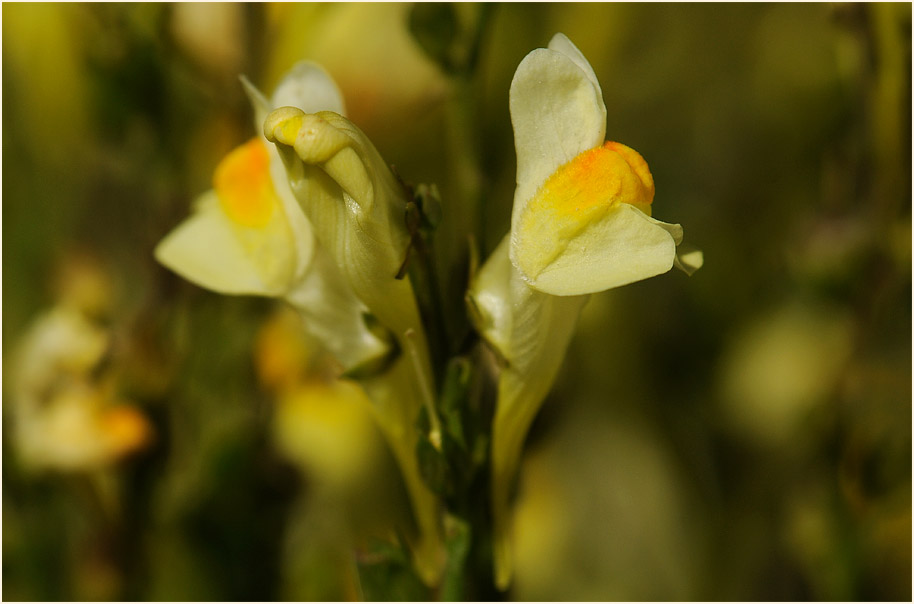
357 208
64 417
356 205
80 428
248 235
326 427
580 224
325 232
581 220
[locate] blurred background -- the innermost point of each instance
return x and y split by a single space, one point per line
743 434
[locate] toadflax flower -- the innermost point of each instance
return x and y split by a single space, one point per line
581 223
328 238
248 235
356 204
358 208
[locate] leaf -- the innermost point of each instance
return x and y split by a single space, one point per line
386 575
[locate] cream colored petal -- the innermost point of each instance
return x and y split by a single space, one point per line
624 246
489 299
557 112
334 316
302 234
302 231
543 327
205 249
308 87
562 44
531 331
355 206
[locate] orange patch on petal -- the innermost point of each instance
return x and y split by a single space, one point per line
243 184
600 178
580 194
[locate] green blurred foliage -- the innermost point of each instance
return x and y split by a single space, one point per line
741 434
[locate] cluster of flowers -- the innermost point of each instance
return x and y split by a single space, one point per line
309 212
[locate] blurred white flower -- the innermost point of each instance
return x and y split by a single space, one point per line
65 417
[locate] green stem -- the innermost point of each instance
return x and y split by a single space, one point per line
464 153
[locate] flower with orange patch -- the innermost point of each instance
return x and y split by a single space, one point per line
357 208
581 223
320 225
248 234
65 413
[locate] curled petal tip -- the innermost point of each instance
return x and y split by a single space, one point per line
318 140
314 138
282 125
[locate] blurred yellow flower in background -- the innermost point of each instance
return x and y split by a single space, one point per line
65 408
322 423
358 42
781 369
327 428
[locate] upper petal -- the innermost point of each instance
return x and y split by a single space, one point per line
557 112
562 44
308 87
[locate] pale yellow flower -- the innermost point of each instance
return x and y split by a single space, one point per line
326 427
65 418
248 235
580 224
80 428
356 205
581 219
323 228
357 208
